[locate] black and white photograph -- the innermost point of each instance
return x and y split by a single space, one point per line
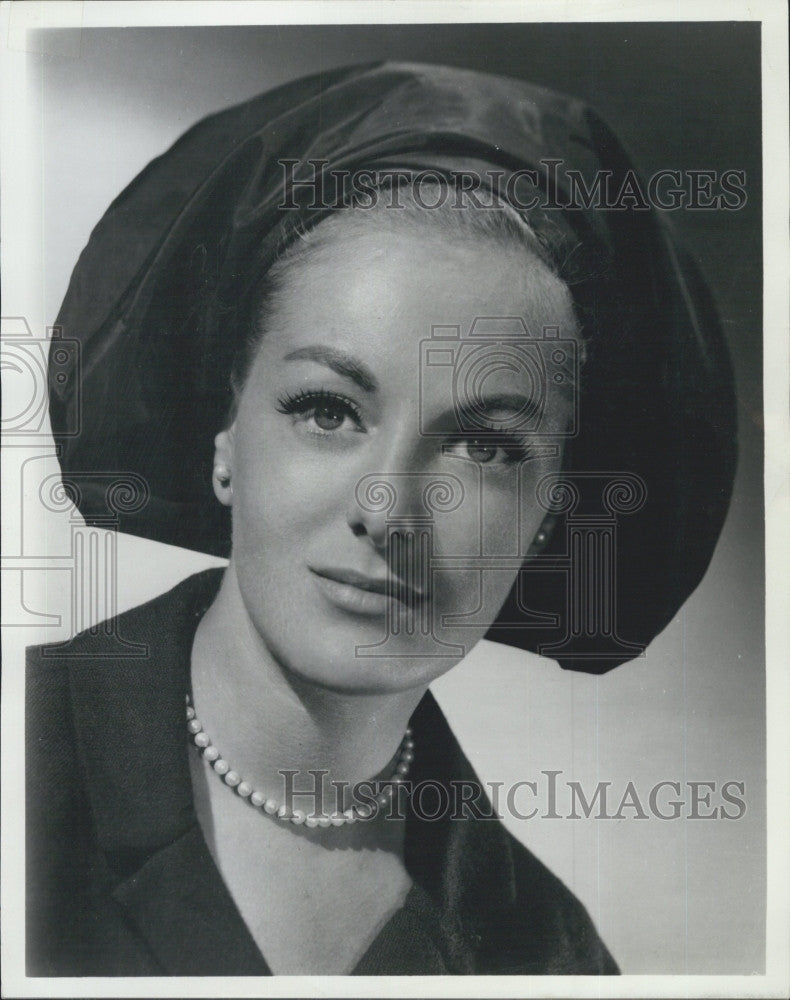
395 500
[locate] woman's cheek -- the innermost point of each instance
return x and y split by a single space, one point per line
297 485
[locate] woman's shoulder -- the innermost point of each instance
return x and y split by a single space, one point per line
92 701
79 694
520 917
561 935
501 910
104 724
127 636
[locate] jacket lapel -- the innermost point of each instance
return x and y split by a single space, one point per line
179 904
465 864
129 719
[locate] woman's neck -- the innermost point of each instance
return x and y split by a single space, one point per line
265 719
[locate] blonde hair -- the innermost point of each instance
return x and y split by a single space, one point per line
497 224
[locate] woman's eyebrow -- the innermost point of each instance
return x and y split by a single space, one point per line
340 362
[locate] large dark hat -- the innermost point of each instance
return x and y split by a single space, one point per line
156 298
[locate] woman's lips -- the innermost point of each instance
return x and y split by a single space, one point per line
365 595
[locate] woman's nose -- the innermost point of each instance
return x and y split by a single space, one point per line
381 501
389 495
366 524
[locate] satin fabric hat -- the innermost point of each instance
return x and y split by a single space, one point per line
157 302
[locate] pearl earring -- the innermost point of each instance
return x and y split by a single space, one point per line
222 475
541 536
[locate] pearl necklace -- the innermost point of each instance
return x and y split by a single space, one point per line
243 788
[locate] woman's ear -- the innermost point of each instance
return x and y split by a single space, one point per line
223 467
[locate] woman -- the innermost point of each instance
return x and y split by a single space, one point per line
416 368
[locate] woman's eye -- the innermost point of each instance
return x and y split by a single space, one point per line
488 451
328 418
479 451
322 412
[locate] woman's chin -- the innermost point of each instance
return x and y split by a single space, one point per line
361 668
359 643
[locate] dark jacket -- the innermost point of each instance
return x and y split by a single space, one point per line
119 878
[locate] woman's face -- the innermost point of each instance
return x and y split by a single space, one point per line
367 486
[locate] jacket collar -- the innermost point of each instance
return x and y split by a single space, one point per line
129 719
